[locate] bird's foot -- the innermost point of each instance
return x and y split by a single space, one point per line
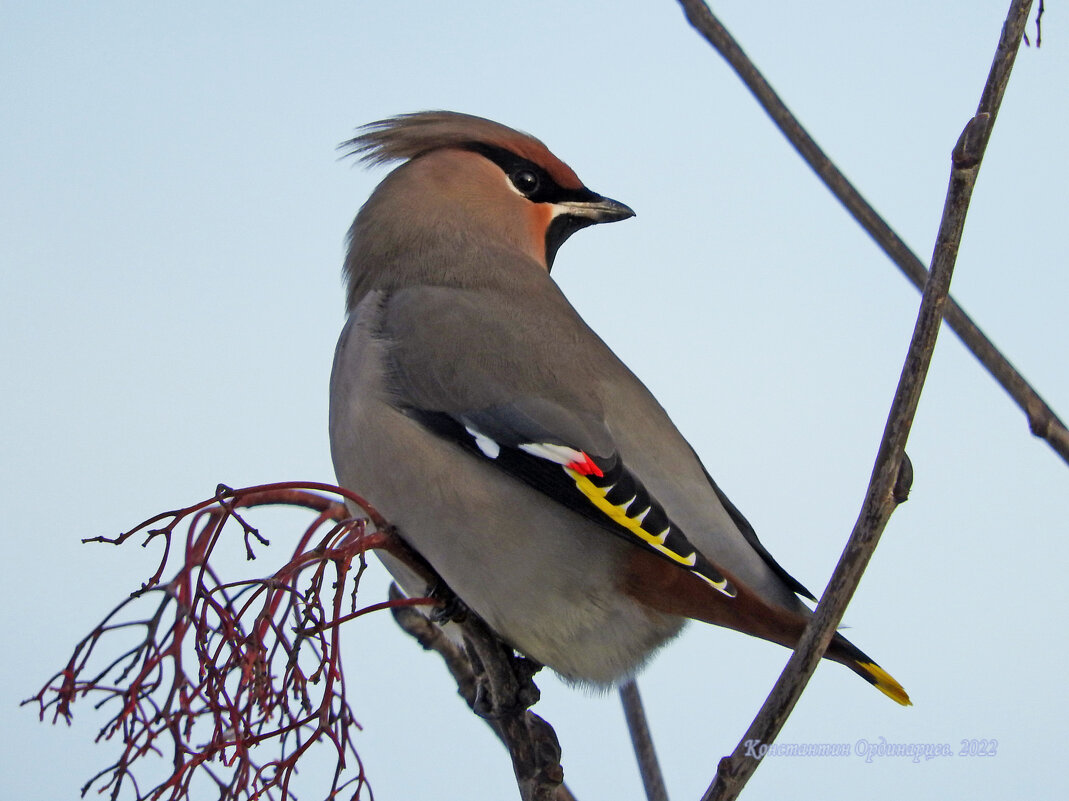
450 608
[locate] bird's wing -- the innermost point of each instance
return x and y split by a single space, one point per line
519 386
748 532
521 440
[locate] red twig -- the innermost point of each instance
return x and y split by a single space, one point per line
235 680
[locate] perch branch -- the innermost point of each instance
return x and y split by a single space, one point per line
530 741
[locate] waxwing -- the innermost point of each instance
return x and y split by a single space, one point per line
473 407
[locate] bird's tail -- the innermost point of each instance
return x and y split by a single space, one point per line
845 652
660 584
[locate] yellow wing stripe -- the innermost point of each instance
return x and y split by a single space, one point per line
618 514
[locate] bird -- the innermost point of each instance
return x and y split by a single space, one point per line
475 409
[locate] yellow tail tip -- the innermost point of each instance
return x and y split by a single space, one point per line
885 683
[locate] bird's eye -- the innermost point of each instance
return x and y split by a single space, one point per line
525 180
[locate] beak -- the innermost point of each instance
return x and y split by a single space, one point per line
597 209
572 215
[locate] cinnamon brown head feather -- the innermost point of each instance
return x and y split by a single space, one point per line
409 136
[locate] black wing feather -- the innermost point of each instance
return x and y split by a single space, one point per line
617 485
751 537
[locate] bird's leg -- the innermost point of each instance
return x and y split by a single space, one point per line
450 608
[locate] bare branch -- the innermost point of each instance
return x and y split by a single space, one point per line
497 686
885 488
223 671
642 742
266 666
1039 27
1042 420
432 638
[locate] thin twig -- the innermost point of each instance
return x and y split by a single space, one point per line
642 741
881 497
254 664
1042 420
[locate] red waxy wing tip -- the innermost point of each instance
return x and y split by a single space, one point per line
585 466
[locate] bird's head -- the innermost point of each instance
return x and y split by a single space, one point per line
466 183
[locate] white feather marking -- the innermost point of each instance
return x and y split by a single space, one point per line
561 454
490 449
723 586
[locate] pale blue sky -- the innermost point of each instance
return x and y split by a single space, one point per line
172 225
